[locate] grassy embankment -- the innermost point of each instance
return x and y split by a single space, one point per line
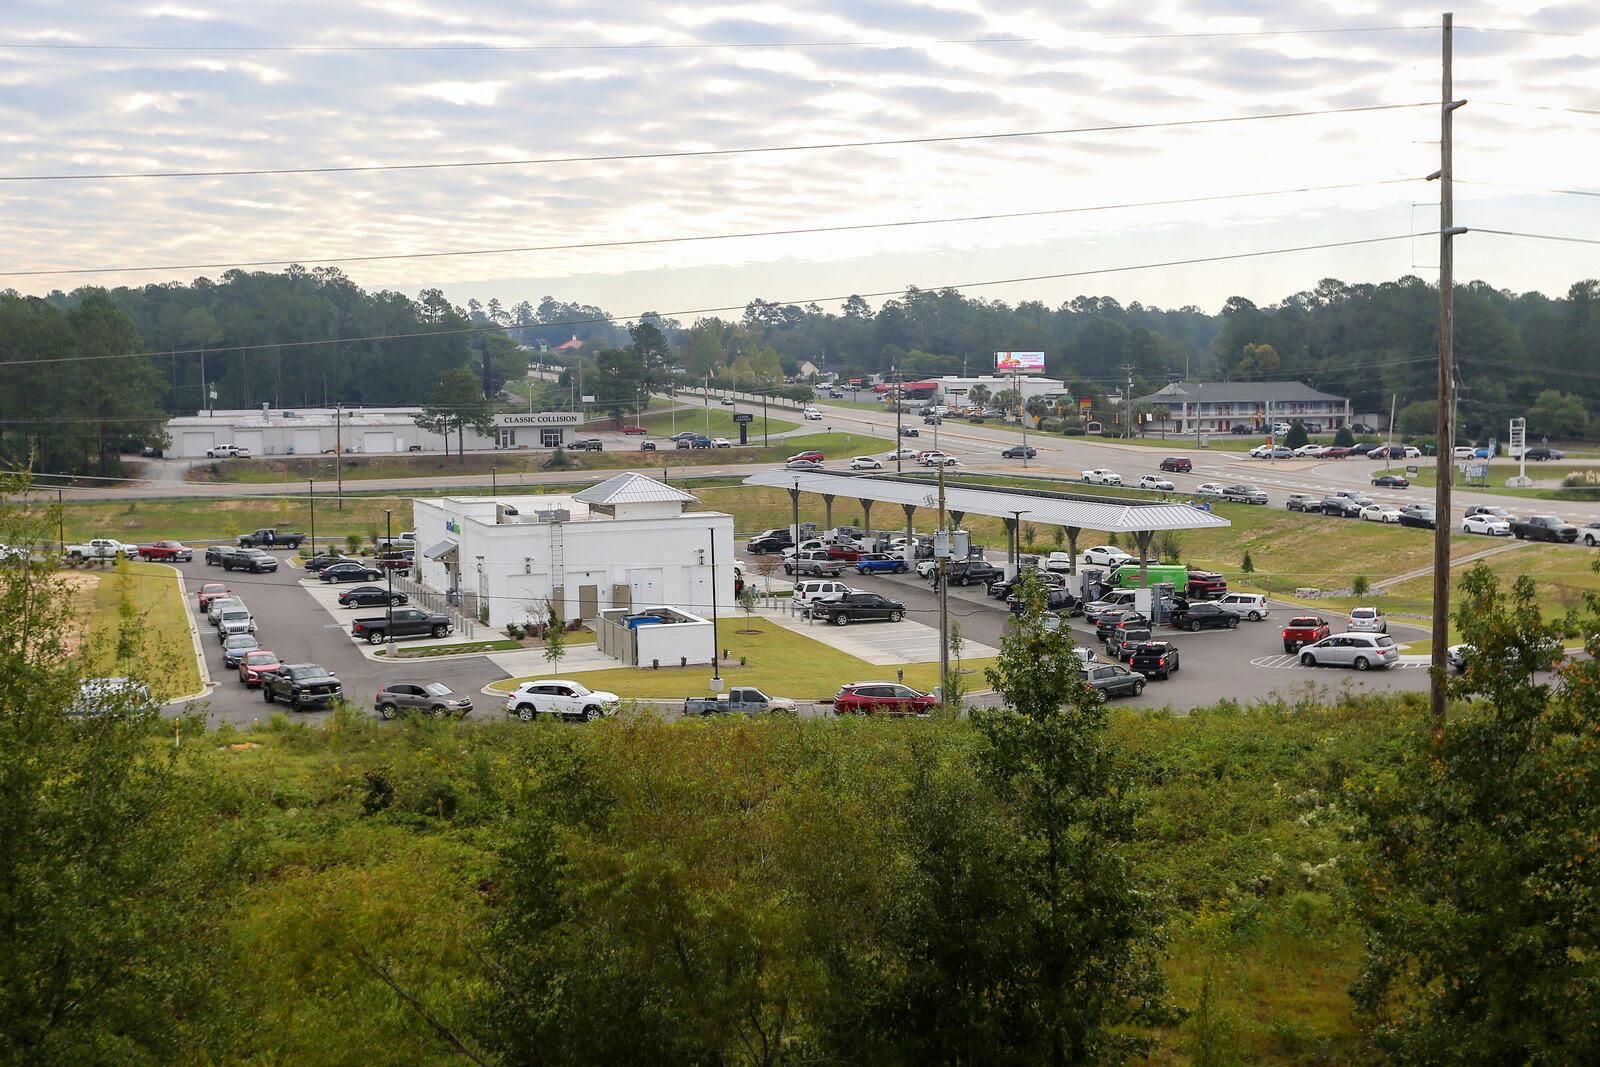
1238 836
149 599
715 421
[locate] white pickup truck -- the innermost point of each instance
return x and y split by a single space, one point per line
227 452
101 548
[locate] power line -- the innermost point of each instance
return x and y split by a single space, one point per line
1537 236
718 310
1528 188
706 152
904 223
1541 107
910 42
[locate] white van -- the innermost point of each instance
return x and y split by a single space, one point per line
1252 606
811 590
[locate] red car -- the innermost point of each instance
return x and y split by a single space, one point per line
257 662
209 592
168 550
812 454
1335 452
844 552
863 698
637 430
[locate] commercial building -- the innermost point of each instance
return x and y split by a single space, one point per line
367 431
1217 407
956 390
628 541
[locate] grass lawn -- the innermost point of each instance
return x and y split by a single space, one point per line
779 662
715 421
1500 471
163 655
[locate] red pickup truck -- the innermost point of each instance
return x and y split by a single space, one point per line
1304 630
168 550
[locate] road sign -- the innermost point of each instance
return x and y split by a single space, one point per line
743 416
1477 470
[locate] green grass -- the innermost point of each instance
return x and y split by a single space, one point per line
467 648
780 662
716 421
1500 471
163 653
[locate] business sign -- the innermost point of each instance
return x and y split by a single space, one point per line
743 416
1019 361
539 418
452 526
1086 403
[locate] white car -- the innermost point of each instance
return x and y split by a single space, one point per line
815 544
1488 525
1358 650
1252 606
1150 481
227 452
865 463
903 453
1260 452
1413 452
926 567
559 698
1380 513
1305 451
1463 452
1102 476
1105 556
938 459
1210 489
1367 621
813 415
721 442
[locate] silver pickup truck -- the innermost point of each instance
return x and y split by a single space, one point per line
748 701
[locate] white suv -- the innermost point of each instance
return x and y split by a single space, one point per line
1252 606
558 698
812 590
813 415
1367 621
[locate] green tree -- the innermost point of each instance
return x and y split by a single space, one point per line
1557 414
1093 936
1343 437
1360 586
1296 437
1258 362
1477 854
555 636
1420 417
456 402
979 395
110 889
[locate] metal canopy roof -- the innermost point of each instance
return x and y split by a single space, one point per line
1036 505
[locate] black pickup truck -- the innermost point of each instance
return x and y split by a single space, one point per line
408 622
858 607
301 685
1543 528
271 538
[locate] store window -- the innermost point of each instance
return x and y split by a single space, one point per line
550 438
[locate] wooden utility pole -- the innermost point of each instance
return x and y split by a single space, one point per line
1439 669
939 580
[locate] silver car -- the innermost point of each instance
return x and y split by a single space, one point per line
1361 651
220 604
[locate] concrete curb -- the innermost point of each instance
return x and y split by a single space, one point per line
207 686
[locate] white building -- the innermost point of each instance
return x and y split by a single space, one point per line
1217 407
956 391
627 541
365 431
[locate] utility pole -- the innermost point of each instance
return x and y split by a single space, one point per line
944 602
899 460
1439 669
205 386
1127 400
311 498
388 576
338 453
1022 415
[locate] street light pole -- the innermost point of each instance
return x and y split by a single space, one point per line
716 638
388 573
311 497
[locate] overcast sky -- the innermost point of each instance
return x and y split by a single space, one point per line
885 75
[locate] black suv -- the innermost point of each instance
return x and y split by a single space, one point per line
1019 452
973 572
249 559
1205 617
1057 600
215 554
858 607
1114 621
771 541
1345 507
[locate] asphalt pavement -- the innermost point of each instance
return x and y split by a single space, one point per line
294 626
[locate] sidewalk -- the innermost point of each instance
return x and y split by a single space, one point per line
327 597
883 644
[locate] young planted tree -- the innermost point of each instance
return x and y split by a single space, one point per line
747 604
555 636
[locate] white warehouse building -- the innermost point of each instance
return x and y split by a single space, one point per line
365 431
628 541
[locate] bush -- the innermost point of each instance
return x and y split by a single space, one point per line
1343 437
1360 587
352 543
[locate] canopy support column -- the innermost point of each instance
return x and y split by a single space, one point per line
911 532
827 504
1072 548
866 515
1142 538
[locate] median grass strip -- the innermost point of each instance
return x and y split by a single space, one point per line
777 661
715 421
144 600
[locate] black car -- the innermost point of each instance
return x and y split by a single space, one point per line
370 596
1154 659
910 431
1420 516
858 607
1361 449
215 554
1019 452
318 563
350 572
1057 600
1538 454
587 444
769 542
973 572
150 452
647 446
249 559
1391 481
1205 617
1344 507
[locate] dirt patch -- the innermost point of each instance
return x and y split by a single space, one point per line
82 587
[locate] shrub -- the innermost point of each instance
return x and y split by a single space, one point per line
1360 587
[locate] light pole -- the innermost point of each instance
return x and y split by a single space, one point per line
494 485
388 574
311 498
716 638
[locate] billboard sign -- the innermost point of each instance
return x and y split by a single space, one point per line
1018 361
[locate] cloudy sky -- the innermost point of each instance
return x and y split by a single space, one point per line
193 85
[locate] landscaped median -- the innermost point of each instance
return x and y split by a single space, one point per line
779 662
